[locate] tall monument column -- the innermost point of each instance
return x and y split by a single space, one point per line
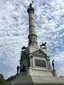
32 34
34 61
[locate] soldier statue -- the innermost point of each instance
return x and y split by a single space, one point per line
18 69
53 64
53 71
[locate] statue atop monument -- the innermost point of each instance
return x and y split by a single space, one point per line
30 5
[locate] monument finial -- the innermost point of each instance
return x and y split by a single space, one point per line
30 5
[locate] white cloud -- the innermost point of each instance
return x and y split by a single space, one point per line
59 63
59 57
49 19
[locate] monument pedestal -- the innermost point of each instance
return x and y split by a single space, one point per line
33 75
39 72
36 79
37 76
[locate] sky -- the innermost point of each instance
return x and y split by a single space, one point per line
49 25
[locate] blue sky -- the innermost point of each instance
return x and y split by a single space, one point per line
49 23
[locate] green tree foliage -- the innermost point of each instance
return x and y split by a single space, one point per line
11 78
1 79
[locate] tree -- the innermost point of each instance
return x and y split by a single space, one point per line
11 78
1 78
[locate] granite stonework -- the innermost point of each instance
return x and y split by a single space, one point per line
38 79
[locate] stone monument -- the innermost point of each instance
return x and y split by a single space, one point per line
34 59
34 62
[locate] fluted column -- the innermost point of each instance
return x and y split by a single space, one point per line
32 34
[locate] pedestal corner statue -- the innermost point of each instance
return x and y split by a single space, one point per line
34 62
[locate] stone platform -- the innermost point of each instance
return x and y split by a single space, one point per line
38 79
37 75
36 71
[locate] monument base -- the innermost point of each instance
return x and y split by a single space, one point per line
39 71
35 76
38 79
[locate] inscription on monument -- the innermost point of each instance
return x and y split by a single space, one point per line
40 63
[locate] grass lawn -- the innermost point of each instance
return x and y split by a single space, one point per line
31 84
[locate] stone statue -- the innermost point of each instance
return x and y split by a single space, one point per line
18 69
23 69
31 4
43 44
53 71
23 47
53 64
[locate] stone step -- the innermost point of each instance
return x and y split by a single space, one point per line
39 79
